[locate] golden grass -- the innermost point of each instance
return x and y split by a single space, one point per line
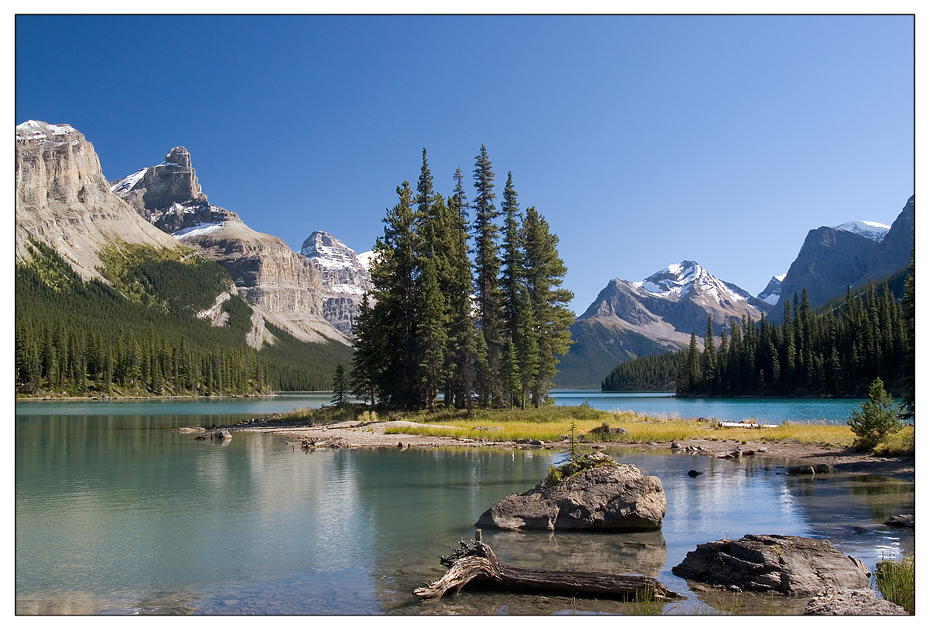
901 443
554 424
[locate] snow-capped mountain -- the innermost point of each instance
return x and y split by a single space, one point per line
345 278
772 290
687 278
832 259
283 288
630 319
868 229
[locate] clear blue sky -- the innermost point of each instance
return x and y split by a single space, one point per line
644 140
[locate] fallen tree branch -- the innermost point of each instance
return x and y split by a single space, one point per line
475 561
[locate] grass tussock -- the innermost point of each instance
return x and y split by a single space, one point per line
894 579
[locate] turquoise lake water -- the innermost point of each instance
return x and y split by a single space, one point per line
115 513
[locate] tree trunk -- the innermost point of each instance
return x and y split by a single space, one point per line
476 561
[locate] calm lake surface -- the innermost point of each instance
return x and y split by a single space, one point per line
764 410
117 514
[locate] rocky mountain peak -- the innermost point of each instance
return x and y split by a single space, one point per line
772 290
868 229
690 279
329 249
155 189
179 156
64 201
345 278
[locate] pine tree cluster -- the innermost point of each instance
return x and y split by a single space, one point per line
838 351
480 331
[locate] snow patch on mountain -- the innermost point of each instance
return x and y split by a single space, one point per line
37 130
365 259
125 184
868 229
197 230
772 291
680 280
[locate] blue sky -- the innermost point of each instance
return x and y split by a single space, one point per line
644 140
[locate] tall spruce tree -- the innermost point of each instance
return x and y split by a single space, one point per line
545 272
487 269
461 337
432 322
394 276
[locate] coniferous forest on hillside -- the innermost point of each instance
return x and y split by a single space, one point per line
138 336
483 333
839 350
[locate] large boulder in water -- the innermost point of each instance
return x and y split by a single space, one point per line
791 565
611 497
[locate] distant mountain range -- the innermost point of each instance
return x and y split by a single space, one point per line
313 295
64 202
631 319
130 235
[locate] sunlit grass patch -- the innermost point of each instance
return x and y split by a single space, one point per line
552 424
899 444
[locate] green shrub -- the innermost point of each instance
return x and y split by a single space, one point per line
877 419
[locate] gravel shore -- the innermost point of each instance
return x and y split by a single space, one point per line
373 435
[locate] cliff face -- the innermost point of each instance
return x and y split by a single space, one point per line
832 259
283 286
64 201
344 278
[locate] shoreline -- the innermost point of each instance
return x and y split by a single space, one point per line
373 435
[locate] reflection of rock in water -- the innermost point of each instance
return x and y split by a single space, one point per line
641 553
716 601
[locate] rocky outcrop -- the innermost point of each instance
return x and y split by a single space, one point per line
863 601
343 276
790 565
616 497
64 201
283 287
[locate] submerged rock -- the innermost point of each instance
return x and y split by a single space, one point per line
611 497
791 565
901 520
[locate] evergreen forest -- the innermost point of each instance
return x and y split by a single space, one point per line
839 350
466 312
138 336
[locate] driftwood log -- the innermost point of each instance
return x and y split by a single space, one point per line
475 561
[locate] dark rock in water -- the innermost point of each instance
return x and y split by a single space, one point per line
853 602
694 473
901 520
611 497
791 565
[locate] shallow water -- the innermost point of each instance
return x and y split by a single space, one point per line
117 514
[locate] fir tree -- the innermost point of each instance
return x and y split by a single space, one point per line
545 273
487 268
339 387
